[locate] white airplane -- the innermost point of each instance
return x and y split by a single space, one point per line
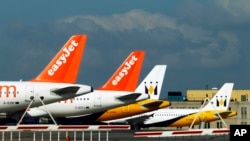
216 109
117 91
55 82
151 85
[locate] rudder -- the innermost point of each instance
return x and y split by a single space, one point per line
221 99
152 83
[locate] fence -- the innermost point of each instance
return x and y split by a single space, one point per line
58 132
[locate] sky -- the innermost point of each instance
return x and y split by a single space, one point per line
203 43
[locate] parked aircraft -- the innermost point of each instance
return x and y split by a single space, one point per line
151 84
117 91
214 110
54 83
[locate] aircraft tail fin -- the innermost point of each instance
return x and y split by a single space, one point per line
221 99
65 65
152 83
126 76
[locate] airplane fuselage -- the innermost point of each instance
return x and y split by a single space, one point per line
16 96
180 117
98 100
129 110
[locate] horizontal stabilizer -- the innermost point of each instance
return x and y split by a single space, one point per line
66 90
36 112
154 104
225 114
139 119
132 96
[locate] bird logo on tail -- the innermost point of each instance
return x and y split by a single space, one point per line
151 88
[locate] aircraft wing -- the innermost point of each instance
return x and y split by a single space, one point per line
154 104
128 97
66 90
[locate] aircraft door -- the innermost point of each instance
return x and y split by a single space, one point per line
97 101
125 109
29 92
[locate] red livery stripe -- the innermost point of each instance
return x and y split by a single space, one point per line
32 127
147 133
187 132
221 131
113 127
73 127
3 127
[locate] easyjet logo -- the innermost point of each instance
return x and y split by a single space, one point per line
63 58
7 90
125 71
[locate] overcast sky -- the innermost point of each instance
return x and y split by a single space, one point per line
203 42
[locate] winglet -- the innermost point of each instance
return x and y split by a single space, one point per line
152 83
126 76
221 99
65 65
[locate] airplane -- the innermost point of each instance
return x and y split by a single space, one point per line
215 109
55 82
151 85
117 91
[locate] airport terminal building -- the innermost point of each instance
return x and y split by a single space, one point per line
194 98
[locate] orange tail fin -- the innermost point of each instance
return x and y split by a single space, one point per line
126 76
65 65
